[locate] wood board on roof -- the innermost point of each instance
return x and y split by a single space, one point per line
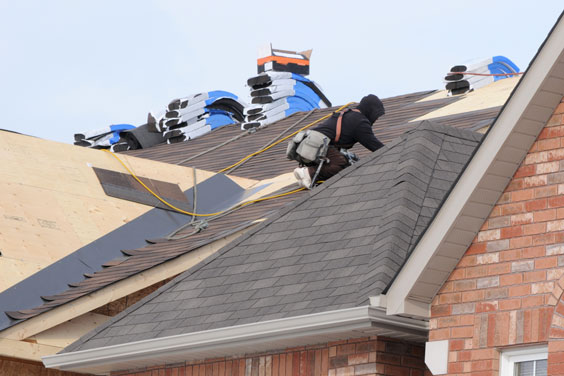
51 194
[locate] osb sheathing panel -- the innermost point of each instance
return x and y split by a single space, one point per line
51 202
492 95
66 333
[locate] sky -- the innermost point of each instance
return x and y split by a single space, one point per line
72 66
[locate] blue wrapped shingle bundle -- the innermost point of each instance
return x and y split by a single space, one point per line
195 115
464 78
276 95
102 138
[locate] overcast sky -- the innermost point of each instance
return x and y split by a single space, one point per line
70 66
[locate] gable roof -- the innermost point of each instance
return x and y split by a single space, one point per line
489 170
400 111
326 252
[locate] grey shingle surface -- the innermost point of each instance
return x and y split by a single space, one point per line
330 250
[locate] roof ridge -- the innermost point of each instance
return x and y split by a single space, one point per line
404 195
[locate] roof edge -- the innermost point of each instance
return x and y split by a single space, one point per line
255 337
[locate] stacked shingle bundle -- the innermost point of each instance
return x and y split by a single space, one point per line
192 116
281 89
102 138
464 78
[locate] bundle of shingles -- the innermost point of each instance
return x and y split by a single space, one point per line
464 78
280 89
195 115
101 138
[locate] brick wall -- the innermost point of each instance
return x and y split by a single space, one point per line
18 367
507 289
355 357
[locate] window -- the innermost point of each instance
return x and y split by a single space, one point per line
528 361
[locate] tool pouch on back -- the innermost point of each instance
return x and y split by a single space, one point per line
308 147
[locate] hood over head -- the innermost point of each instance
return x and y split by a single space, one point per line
372 107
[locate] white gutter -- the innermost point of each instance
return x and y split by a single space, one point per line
257 337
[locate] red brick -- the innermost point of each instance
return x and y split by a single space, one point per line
476 248
450 298
443 310
476 271
544 215
497 269
523 241
534 205
455 368
510 279
456 345
509 304
520 290
522 195
509 255
456 274
546 262
533 252
535 181
448 321
511 232
521 207
534 276
541 239
462 332
355 359
532 301
514 185
556 201
467 261
534 228
547 191
486 307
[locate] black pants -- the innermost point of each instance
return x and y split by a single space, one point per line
337 162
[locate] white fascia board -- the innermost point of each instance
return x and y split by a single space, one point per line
494 149
114 357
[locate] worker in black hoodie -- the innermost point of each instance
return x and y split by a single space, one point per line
356 127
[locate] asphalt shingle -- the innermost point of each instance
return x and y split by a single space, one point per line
330 250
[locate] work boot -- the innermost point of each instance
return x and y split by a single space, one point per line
302 176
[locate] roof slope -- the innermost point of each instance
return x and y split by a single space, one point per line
124 252
400 111
330 250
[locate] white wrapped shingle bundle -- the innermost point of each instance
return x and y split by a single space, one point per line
276 95
464 78
192 116
102 138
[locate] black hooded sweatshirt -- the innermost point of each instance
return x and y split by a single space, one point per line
356 127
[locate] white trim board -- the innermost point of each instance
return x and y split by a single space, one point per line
242 339
483 181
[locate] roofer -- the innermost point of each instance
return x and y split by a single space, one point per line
333 138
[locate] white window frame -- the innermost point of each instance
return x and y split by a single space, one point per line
524 354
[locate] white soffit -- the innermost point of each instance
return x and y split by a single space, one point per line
484 179
242 339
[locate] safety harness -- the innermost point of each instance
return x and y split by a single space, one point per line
340 122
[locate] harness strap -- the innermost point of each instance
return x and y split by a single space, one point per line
340 122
